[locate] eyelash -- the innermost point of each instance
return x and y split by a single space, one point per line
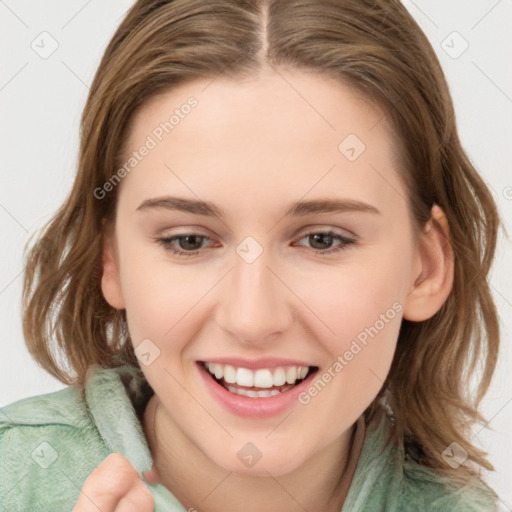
166 242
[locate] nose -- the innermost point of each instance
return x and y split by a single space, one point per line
254 306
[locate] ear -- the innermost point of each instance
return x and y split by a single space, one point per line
110 281
433 280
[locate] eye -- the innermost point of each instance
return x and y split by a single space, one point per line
190 242
319 240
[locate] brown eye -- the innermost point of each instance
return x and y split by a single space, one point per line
322 241
188 244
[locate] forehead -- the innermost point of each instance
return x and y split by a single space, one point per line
287 131
283 100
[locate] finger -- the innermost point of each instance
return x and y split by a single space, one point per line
138 499
107 485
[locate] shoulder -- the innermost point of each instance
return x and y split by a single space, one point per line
58 407
48 446
427 490
387 481
50 443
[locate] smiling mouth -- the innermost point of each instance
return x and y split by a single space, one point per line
261 383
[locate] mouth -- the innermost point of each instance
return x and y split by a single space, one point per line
258 383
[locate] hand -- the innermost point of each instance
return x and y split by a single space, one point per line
115 486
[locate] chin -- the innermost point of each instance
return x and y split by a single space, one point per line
245 458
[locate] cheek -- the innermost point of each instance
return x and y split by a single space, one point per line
355 297
157 293
162 296
361 305
365 315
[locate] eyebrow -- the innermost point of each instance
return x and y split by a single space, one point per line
295 209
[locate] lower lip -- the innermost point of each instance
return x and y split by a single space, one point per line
253 407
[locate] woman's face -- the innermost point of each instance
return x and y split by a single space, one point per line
274 277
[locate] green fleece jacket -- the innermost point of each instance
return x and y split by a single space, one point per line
50 443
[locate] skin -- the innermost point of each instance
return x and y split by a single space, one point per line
251 148
114 486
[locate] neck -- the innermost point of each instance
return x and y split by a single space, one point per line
319 485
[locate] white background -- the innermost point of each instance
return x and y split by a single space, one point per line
41 102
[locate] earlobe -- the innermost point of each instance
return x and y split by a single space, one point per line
433 284
110 280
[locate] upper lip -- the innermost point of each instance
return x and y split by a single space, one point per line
255 364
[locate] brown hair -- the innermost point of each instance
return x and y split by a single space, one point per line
377 47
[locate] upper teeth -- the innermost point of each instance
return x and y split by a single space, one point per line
262 378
